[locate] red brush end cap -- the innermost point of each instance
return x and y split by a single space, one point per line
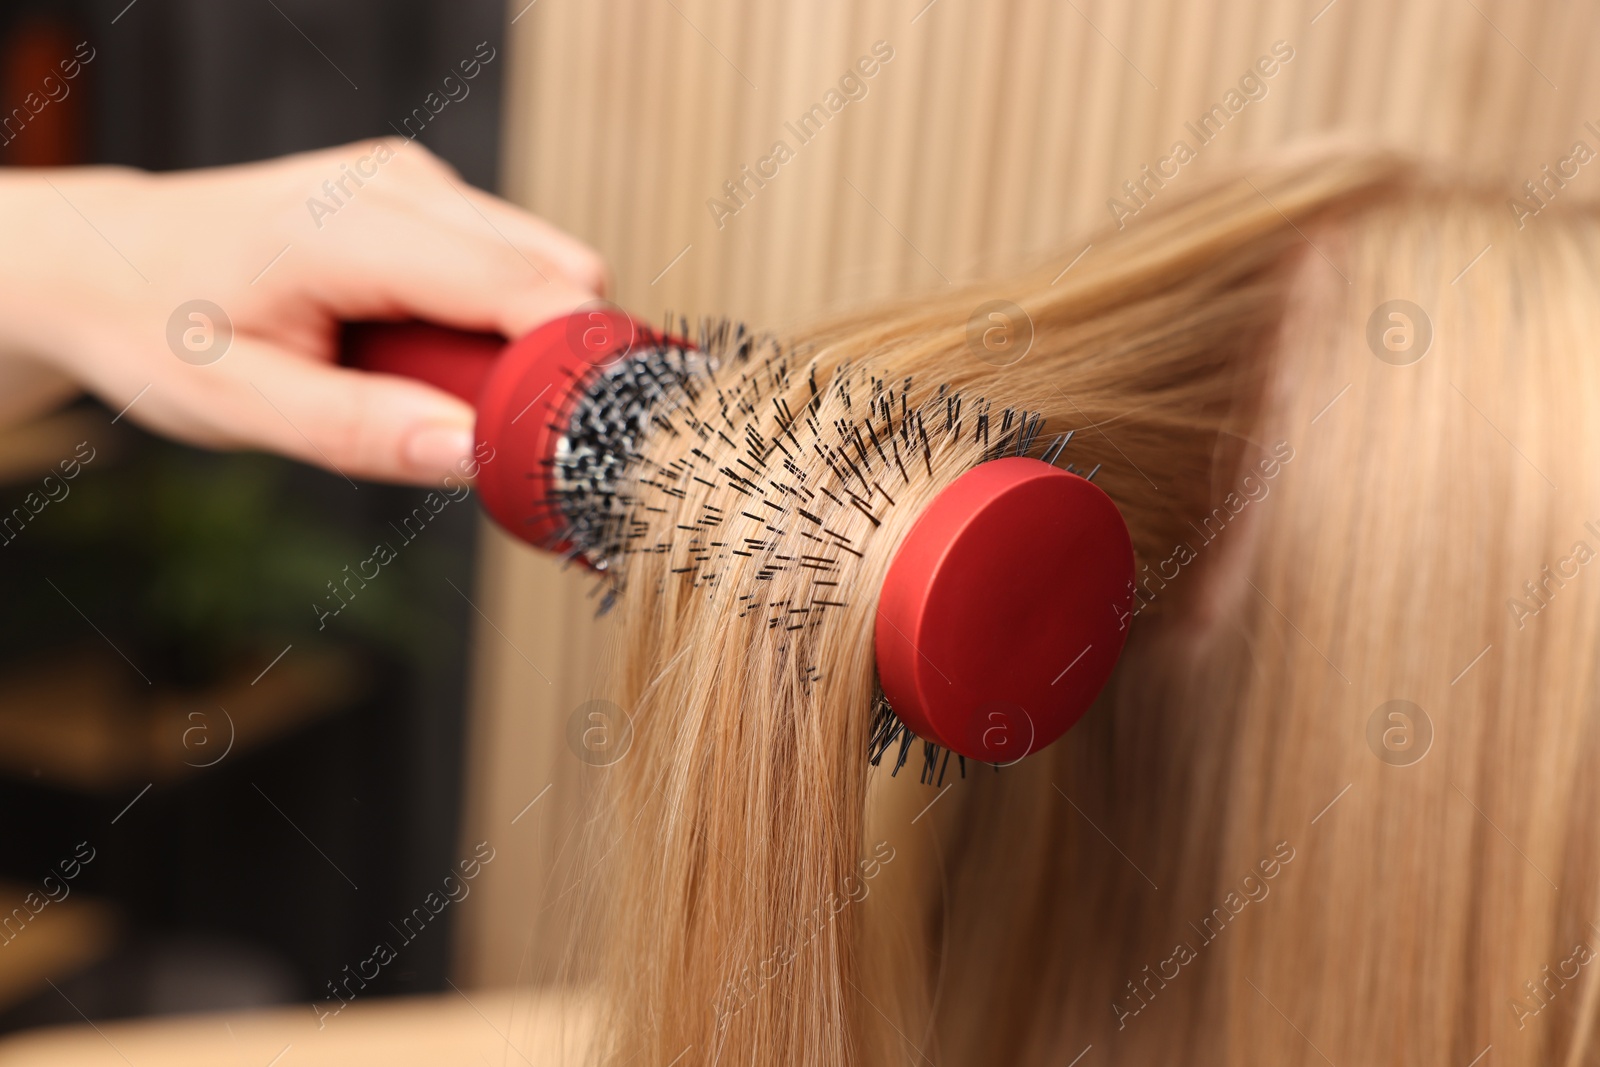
526 405
1005 609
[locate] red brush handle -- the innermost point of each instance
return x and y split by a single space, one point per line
456 361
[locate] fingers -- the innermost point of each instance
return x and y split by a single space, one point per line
522 229
581 264
356 424
417 241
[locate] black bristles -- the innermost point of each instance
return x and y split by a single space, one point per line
886 729
1056 447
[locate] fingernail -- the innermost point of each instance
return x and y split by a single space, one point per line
438 446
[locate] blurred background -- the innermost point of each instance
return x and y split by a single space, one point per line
374 754
207 889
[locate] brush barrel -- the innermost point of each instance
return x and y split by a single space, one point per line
524 393
1003 611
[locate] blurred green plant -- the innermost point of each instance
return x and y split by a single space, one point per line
196 559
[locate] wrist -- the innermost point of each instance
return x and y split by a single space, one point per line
60 273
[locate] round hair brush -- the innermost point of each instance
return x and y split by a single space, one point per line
1004 608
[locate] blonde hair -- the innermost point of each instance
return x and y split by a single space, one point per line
1226 860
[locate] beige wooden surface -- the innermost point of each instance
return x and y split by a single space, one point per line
997 132
451 1030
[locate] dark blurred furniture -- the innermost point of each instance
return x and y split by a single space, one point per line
257 822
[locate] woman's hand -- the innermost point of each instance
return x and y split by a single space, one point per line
100 269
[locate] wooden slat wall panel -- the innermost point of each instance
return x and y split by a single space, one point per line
996 133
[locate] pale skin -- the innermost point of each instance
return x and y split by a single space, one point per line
95 260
